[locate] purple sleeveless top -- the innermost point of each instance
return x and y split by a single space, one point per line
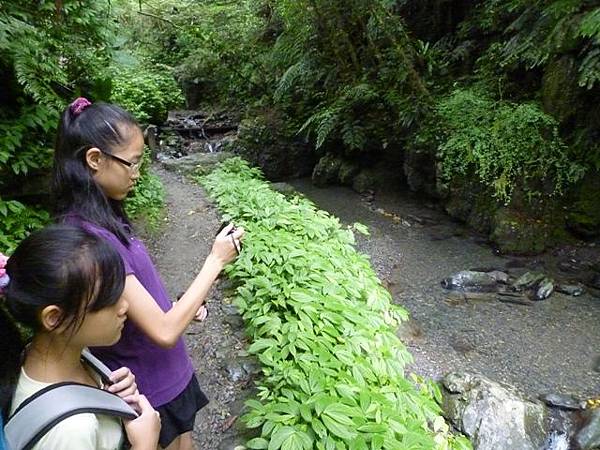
161 374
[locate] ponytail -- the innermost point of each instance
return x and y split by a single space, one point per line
84 125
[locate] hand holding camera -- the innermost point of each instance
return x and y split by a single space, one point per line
228 243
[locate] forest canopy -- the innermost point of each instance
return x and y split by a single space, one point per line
507 90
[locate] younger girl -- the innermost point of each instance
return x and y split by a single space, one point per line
97 160
67 284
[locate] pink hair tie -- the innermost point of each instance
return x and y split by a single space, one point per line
3 275
78 105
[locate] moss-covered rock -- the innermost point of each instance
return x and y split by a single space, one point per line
267 142
471 202
348 170
560 89
519 233
583 218
365 181
327 170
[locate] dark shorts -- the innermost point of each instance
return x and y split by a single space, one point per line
177 416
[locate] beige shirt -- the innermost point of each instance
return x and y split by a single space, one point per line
85 431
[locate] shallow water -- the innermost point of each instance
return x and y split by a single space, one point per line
549 346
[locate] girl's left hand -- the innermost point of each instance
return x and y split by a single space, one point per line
124 385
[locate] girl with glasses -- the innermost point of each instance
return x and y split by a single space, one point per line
97 156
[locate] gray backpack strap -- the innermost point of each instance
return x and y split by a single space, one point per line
47 407
98 366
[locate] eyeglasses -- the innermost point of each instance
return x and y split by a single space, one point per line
134 167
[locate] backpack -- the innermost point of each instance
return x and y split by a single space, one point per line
47 407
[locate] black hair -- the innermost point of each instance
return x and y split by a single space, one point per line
59 265
99 125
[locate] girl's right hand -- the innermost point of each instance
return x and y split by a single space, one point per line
224 246
143 431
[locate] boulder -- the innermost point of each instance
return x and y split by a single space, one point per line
327 170
518 233
492 415
365 181
589 436
266 142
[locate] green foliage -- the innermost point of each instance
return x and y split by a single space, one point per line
506 144
147 200
50 52
323 327
347 70
17 221
148 94
211 44
544 30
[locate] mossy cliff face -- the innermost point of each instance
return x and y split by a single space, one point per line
525 225
266 142
559 89
583 217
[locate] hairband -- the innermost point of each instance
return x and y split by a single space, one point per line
4 278
78 105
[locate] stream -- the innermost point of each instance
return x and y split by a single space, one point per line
550 346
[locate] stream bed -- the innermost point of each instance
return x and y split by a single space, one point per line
550 346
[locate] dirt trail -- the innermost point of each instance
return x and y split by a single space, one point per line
551 347
179 250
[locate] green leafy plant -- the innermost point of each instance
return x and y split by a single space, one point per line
505 144
50 53
17 221
148 94
323 327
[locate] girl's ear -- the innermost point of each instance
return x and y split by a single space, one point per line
93 157
51 317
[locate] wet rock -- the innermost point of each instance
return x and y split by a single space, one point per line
561 401
574 290
151 138
420 170
528 280
284 188
326 171
468 279
493 416
232 316
499 276
516 233
559 88
589 436
365 181
568 266
514 298
241 369
557 441
200 163
544 289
